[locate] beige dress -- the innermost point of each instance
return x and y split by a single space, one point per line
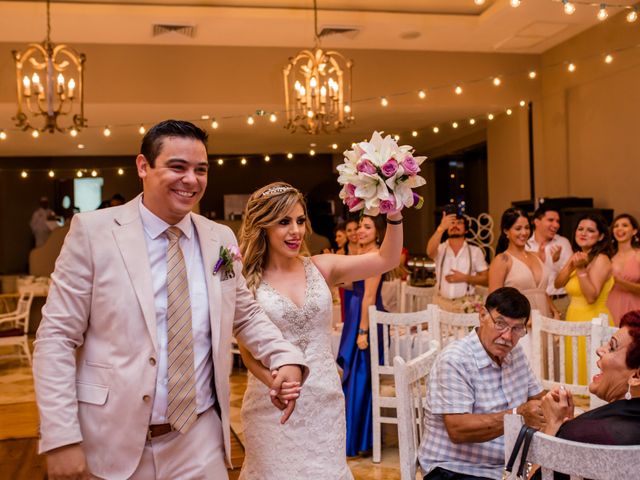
521 277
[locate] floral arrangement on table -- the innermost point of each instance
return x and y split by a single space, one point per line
379 176
472 303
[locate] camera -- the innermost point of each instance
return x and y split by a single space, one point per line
453 209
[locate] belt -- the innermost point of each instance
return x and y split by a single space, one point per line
161 429
557 297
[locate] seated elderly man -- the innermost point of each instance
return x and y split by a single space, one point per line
473 384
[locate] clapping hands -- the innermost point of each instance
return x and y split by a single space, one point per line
579 260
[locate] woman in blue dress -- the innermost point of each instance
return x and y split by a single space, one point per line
354 356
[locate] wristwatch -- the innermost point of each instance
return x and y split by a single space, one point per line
362 331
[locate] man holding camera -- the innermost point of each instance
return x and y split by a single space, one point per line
459 266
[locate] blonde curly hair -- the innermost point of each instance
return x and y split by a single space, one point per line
265 208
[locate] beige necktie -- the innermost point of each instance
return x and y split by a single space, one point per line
181 409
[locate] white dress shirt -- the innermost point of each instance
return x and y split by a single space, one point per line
157 244
554 267
469 260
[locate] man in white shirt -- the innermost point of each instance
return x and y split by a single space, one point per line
459 266
554 250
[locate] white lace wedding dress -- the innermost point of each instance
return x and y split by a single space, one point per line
311 445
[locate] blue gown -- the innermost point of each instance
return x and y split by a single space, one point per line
356 376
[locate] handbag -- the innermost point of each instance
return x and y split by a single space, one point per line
522 441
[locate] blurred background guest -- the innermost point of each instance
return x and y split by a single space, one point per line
553 249
42 222
354 356
625 265
351 229
340 239
587 278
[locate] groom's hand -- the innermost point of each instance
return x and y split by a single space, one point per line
67 463
281 389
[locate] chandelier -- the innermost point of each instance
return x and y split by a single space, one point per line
43 92
317 89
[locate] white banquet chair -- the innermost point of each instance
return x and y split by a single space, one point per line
450 326
405 335
411 380
14 327
414 299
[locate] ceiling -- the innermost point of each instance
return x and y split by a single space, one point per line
231 65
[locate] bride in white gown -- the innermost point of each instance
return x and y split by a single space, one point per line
294 292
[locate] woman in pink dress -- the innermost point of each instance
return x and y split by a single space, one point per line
625 294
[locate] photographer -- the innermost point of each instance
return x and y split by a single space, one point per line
459 266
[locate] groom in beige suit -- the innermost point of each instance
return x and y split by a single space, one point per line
132 356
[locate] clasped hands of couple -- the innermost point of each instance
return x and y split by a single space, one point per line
550 412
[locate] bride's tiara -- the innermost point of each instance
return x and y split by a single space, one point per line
276 191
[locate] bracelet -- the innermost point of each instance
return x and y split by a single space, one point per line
394 222
583 273
362 331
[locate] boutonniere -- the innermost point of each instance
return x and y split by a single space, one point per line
228 255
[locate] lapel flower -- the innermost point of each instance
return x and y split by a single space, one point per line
228 255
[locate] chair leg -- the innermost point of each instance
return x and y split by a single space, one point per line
377 438
25 347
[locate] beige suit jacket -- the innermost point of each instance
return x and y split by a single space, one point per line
95 353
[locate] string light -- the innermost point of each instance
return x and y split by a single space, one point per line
347 108
384 102
24 174
142 130
422 94
396 137
436 129
81 146
458 90
497 81
514 3
220 161
273 118
602 12
509 111
73 132
35 133
267 158
79 174
214 124
204 117
569 8
312 152
289 155
52 174
120 171
479 2
454 124
472 121
414 133
532 74
571 67
250 121
3 135
106 132
243 161
490 116
522 103
94 173
334 146
632 16
608 58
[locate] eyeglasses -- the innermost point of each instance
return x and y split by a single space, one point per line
502 326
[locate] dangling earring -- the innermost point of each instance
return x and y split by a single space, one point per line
627 396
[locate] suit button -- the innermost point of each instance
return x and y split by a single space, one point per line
146 398
152 361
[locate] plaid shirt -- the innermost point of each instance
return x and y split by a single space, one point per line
465 379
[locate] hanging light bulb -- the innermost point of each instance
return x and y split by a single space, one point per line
602 12
396 137
35 133
632 16
347 108
454 124
571 67
472 121
81 146
509 111
532 74
569 8
289 156
436 129
214 124
243 161
414 133
73 132
52 174
273 118
24 174
479 2
490 116
497 81
422 94
120 171
142 130
94 173
384 102
220 161
608 58
3 135
312 152
334 146
79 174
267 158
250 121
458 90
515 3
106 132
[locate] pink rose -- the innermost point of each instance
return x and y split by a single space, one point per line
388 206
366 166
352 202
390 167
410 166
235 252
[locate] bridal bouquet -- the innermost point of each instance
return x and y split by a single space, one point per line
378 176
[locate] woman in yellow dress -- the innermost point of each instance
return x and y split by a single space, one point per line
588 280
